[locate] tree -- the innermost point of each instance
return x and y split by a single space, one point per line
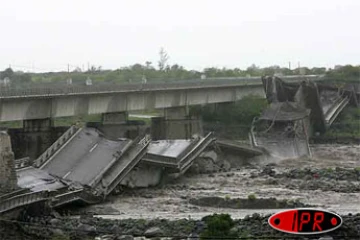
253 70
7 73
77 70
148 64
163 59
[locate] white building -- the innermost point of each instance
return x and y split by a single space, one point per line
88 81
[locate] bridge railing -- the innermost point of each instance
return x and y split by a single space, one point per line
22 200
22 162
134 154
335 110
76 195
13 193
39 162
106 88
70 90
161 160
187 160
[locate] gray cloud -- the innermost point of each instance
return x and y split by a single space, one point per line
228 33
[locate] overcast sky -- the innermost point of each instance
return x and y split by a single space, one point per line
49 34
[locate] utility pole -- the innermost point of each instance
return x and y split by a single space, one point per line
289 65
68 68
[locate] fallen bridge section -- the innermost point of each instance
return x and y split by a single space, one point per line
176 155
241 148
36 180
11 203
325 101
116 170
89 159
334 110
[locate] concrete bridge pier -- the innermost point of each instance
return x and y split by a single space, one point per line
37 135
8 179
34 137
175 124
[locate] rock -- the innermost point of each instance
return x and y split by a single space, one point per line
86 229
226 166
115 229
210 154
134 231
153 232
55 222
147 196
125 237
57 232
326 238
106 237
193 236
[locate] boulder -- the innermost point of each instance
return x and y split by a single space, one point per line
86 229
210 154
326 238
153 232
55 222
125 237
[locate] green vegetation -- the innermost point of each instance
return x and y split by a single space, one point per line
165 72
252 196
242 111
81 119
231 119
60 237
13 124
218 225
343 74
347 124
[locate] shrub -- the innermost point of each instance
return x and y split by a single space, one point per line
252 196
218 225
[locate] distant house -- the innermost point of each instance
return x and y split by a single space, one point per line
88 82
337 67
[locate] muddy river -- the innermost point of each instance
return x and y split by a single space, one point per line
327 188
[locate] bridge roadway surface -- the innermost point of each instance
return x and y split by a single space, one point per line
84 157
41 103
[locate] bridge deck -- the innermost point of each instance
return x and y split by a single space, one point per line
242 148
37 180
176 155
84 157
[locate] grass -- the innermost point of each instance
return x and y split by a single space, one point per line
68 121
12 124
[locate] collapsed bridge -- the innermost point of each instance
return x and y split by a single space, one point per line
84 165
296 112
